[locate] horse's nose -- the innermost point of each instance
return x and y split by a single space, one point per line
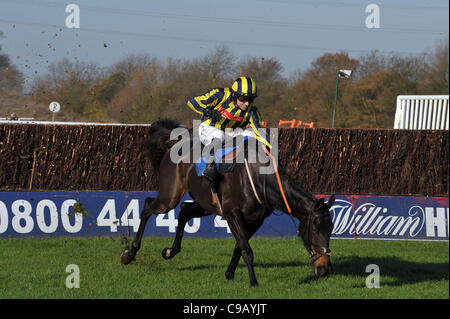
321 271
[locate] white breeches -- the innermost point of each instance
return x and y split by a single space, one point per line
207 133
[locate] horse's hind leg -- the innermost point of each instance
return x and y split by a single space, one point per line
188 210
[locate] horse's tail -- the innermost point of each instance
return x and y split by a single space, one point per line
158 142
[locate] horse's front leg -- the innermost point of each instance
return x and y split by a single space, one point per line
241 235
188 210
161 205
229 274
128 255
171 190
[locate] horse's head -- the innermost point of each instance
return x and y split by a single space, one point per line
315 230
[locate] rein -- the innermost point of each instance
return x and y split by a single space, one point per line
309 244
323 251
280 186
278 179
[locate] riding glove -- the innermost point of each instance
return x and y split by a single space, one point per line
213 114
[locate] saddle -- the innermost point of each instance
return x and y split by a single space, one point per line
224 158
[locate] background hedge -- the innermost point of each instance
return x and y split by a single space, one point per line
339 161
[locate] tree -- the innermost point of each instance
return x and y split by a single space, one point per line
140 89
370 63
410 68
313 95
11 79
267 73
131 63
217 65
100 95
435 79
263 70
68 83
4 58
370 102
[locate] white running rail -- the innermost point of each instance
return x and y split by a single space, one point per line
2 120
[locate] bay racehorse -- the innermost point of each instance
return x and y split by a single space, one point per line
244 199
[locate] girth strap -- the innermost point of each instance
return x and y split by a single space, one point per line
251 181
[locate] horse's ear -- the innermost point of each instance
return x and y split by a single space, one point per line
331 201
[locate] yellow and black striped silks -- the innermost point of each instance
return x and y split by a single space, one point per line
232 116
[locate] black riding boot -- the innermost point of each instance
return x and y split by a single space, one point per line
209 175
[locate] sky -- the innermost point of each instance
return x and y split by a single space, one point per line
295 32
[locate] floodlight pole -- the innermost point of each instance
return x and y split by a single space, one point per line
335 98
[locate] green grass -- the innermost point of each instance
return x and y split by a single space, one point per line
35 268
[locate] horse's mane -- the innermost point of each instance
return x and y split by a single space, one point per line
294 187
158 140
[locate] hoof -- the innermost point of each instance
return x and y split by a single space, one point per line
167 253
126 258
229 276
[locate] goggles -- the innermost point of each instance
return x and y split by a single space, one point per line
244 98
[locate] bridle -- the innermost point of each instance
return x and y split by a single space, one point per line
323 251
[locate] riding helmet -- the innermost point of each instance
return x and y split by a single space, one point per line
244 86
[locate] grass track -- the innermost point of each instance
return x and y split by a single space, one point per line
35 268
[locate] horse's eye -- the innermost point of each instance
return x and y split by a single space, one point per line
315 225
316 221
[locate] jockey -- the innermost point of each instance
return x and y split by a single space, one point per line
227 108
